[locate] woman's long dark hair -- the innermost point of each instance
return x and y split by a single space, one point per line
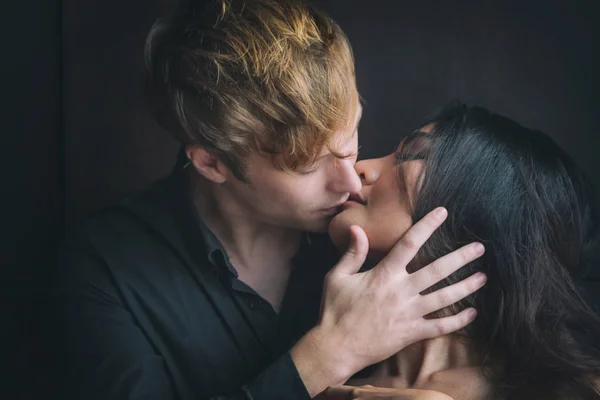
517 192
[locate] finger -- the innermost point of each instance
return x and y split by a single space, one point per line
410 243
355 255
451 294
379 381
442 326
445 266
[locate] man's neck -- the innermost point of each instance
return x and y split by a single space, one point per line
261 253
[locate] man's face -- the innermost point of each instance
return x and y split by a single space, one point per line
306 199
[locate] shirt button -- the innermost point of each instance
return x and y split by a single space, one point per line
252 305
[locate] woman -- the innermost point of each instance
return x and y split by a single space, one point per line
518 193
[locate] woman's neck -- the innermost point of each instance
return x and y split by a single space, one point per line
417 363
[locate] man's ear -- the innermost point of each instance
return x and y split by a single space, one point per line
207 164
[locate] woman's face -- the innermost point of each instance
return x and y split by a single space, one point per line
383 206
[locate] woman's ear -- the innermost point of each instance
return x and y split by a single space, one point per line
207 164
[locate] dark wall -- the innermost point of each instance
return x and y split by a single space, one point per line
31 175
112 147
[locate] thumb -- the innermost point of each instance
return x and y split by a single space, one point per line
356 253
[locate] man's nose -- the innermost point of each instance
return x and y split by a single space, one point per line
367 171
347 180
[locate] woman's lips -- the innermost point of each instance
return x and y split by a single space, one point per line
357 198
351 203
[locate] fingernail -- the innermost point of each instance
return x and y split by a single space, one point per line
479 248
472 313
481 277
440 213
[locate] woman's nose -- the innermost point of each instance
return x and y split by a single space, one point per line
368 171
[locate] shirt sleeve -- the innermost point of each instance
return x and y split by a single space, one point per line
103 354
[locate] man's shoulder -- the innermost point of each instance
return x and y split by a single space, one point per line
138 226
137 244
129 215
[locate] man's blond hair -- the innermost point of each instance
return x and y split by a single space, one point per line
234 76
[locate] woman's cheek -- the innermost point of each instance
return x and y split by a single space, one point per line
384 233
339 228
379 241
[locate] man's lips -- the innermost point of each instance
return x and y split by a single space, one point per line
332 210
351 203
353 200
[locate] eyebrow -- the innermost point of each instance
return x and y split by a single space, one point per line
400 158
341 156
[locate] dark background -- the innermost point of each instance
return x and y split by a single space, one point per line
75 136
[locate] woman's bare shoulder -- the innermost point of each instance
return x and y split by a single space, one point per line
460 383
368 392
432 395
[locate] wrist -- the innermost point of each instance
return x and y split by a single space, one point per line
334 353
321 361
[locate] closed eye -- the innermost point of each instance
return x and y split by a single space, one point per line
414 147
399 157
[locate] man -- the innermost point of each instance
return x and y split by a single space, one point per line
208 285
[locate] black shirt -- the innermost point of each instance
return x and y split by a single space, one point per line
149 307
